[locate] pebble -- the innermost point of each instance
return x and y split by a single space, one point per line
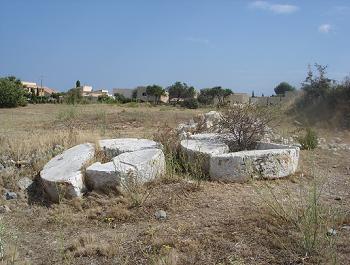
331 232
10 195
24 183
160 215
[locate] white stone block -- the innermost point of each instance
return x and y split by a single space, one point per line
261 164
62 176
145 165
198 152
114 147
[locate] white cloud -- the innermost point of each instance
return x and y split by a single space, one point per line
325 28
197 40
275 8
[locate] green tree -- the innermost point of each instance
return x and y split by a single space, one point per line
77 84
181 91
317 86
12 93
207 95
283 87
156 92
74 96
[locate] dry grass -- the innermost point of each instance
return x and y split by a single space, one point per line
89 245
214 224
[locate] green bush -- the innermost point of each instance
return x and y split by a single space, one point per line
190 103
74 96
11 93
121 99
309 140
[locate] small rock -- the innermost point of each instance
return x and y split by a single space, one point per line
10 195
331 232
24 183
4 209
160 215
2 167
338 140
346 227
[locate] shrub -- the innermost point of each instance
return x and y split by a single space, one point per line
74 96
190 103
106 99
121 99
11 93
244 125
309 140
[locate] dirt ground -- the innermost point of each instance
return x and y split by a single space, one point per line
207 222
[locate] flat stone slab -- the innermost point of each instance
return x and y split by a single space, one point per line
62 176
138 166
204 146
259 164
144 165
198 152
114 147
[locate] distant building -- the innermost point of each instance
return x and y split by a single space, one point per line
244 98
88 92
235 98
40 91
100 92
126 92
85 90
286 98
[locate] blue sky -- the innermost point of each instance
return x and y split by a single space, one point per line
242 45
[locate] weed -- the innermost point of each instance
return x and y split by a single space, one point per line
306 218
309 140
134 190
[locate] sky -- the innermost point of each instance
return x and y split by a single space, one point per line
236 44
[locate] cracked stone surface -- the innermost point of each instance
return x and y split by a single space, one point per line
114 147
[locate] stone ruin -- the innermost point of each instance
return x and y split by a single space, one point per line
267 161
63 175
71 173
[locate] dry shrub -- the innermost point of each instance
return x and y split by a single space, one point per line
88 245
244 125
179 165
